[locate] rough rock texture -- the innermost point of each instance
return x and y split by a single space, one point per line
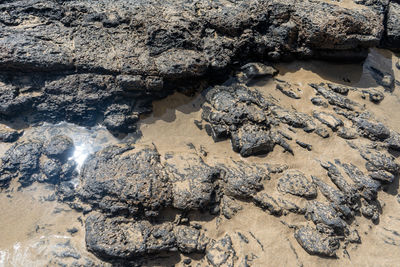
35 160
120 238
79 60
125 179
295 183
192 181
316 243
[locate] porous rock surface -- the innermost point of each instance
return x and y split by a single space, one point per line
80 60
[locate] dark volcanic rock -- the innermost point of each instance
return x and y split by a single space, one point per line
328 119
335 98
338 199
295 183
371 129
192 181
240 114
21 160
324 213
242 179
77 58
316 243
126 179
221 253
116 237
392 26
9 135
256 70
34 160
59 146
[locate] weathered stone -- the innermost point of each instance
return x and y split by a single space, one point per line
266 202
192 181
328 119
242 179
221 253
316 243
324 213
120 238
60 147
294 182
124 179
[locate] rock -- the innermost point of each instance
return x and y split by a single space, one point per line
189 239
384 79
379 161
382 176
294 182
304 145
347 133
252 140
229 207
394 141
398 65
338 199
328 119
266 202
243 180
256 70
368 187
120 118
338 179
370 210
371 129
316 243
221 253
288 90
60 147
120 238
354 237
318 101
322 132
240 114
192 181
51 169
375 96
9 135
335 98
343 90
392 39
22 161
324 213
294 118
77 83
125 180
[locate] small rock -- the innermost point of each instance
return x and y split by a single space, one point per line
343 90
294 182
256 70
221 253
316 243
304 145
328 119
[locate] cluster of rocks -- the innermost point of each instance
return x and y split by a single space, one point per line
251 122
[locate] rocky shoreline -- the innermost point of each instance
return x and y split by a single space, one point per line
106 62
